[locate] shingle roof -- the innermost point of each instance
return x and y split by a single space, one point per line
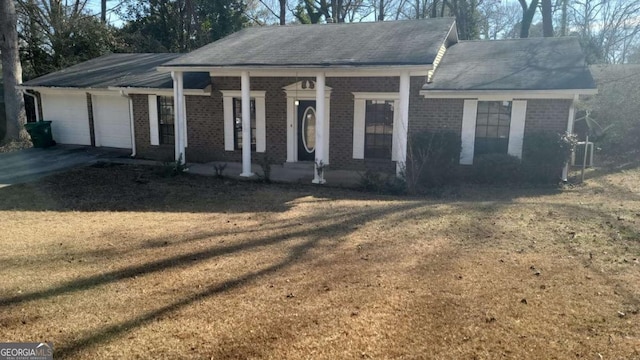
408 42
120 70
516 64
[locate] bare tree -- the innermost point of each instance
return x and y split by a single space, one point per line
528 12
547 18
498 19
11 71
609 29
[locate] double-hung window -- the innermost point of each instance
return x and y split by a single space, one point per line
376 125
492 127
378 120
493 122
232 109
166 118
237 119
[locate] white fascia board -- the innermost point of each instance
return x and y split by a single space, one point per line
376 95
329 71
66 90
238 93
506 94
164 92
453 31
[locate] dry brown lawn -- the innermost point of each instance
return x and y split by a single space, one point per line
191 267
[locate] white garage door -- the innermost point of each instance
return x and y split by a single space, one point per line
69 116
111 121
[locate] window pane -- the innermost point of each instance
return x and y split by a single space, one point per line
494 119
481 131
482 119
503 132
483 107
492 131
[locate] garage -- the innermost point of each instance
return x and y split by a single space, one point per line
111 121
69 115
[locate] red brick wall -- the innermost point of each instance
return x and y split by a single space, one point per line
144 149
206 122
547 115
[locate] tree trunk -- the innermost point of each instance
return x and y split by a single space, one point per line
381 11
547 19
334 11
527 16
103 11
283 12
563 21
11 72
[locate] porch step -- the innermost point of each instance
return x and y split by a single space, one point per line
300 165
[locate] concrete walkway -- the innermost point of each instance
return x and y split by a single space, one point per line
31 164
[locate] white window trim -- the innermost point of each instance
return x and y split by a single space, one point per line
359 113
516 126
154 128
229 126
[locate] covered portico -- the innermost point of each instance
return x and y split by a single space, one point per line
315 90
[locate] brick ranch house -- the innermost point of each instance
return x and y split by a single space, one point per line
345 95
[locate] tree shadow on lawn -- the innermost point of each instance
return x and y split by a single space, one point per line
336 225
328 227
147 189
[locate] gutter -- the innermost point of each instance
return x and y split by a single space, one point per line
35 102
131 122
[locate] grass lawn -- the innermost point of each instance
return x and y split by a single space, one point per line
191 267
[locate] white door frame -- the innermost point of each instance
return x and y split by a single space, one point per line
302 90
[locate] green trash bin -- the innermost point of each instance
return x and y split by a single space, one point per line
40 133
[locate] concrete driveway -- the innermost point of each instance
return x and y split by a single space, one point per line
32 164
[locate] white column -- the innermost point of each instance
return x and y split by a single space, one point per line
178 119
318 177
403 128
246 124
572 110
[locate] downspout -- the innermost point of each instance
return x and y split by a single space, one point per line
35 102
570 121
131 122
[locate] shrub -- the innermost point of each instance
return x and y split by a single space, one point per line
219 169
433 159
496 169
265 163
174 168
377 182
544 155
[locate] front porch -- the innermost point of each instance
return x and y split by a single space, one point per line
300 172
251 114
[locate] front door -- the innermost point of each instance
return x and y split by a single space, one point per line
306 130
